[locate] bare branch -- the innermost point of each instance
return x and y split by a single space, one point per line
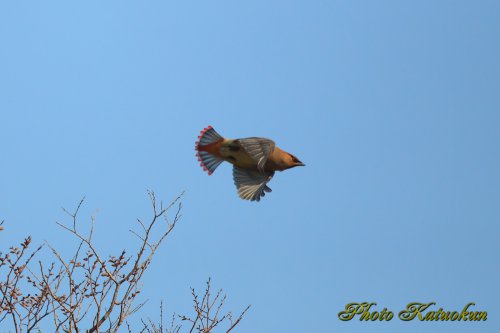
92 292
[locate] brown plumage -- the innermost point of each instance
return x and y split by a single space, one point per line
255 160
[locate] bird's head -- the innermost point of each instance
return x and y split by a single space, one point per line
291 161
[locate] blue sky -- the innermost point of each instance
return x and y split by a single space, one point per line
394 107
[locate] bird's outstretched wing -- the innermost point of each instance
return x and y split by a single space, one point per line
258 149
251 184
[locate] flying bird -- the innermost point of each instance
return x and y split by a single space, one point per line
254 160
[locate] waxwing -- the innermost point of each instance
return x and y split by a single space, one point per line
254 160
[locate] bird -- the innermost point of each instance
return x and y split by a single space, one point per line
255 160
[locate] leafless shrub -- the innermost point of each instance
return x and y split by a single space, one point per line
90 292
207 316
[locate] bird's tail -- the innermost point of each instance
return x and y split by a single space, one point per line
208 161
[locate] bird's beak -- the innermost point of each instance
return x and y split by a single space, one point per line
300 164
